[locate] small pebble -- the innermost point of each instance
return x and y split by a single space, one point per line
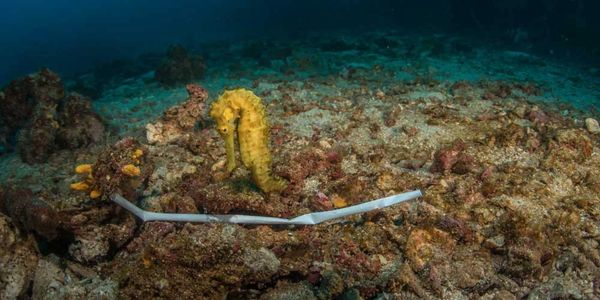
592 125
324 144
494 242
218 165
189 169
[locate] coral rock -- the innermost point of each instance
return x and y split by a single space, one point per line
386 182
464 164
178 120
29 212
18 261
48 121
452 159
538 116
446 158
79 125
571 145
19 99
117 169
261 261
89 247
423 245
37 141
291 291
592 125
49 282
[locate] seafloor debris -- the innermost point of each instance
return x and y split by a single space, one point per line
178 120
179 67
47 119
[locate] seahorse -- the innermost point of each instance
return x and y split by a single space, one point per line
245 108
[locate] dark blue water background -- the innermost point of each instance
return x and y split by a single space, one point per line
75 36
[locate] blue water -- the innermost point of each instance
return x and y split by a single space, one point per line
74 37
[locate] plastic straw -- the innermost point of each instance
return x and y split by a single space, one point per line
307 219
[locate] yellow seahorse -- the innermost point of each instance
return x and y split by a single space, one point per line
253 135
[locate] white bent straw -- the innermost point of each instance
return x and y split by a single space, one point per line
308 219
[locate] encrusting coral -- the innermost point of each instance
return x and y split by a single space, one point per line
253 135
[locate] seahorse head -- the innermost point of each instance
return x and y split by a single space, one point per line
225 118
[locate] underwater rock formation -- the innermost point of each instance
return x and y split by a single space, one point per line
18 101
37 140
178 119
79 124
179 67
28 212
18 260
47 119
